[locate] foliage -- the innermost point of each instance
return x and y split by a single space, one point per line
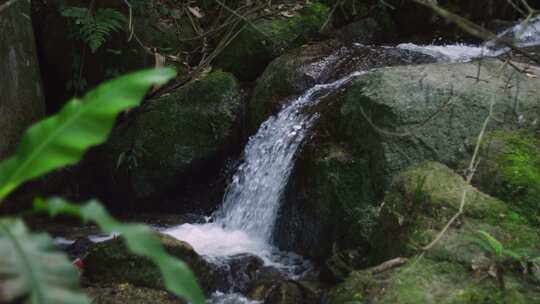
31 269
521 170
61 139
494 247
25 275
94 27
140 240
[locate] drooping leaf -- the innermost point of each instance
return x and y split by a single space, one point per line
32 270
61 139
140 239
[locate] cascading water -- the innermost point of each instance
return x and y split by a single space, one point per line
246 219
525 34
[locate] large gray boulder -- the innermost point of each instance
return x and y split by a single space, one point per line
21 96
382 122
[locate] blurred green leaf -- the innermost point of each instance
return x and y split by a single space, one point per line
62 139
140 239
32 270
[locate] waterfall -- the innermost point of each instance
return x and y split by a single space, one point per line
251 201
245 221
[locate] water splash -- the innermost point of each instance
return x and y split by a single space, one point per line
524 34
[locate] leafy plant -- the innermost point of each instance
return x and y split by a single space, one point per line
501 256
32 270
94 27
140 240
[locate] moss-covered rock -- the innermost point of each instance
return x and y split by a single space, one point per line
510 170
249 53
111 262
176 140
424 281
418 205
21 96
380 123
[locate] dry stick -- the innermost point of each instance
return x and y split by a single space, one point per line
472 168
393 263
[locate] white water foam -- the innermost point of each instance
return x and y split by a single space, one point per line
524 34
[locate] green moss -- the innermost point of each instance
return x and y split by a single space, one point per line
520 166
247 56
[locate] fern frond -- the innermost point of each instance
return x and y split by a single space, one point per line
95 28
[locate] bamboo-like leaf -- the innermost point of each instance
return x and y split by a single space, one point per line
140 239
32 270
495 245
61 139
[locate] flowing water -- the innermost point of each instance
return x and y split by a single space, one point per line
525 34
245 221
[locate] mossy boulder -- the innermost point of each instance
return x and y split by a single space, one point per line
258 43
418 205
377 125
110 262
123 293
425 281
423 198
175 141
510 169
21 96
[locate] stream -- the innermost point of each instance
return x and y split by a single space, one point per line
245 221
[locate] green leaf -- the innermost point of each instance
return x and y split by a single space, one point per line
32 270
140 239
495 245
61 139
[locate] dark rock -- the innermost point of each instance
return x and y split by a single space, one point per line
21 96
79 247
174 144
338 267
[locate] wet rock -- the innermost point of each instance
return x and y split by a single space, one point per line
238 271
175 143
21 96
249 53
79 247
379 124
418 205
111 262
